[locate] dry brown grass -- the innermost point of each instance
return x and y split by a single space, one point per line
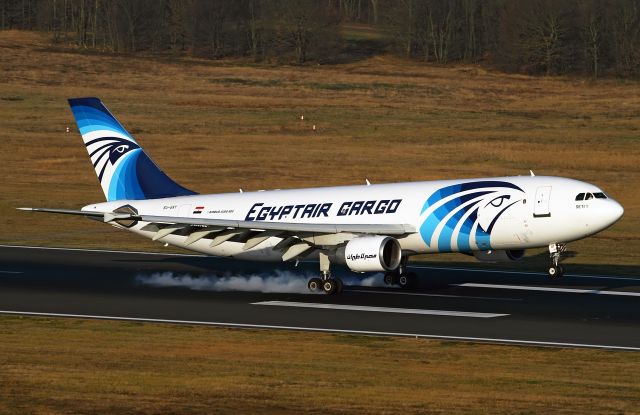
219 126
117 367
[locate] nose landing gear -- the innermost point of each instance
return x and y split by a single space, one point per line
555 253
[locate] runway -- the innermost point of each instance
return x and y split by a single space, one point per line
596 311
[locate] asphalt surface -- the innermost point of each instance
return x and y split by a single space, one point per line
449 303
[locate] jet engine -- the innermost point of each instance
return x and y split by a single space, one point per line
499 255
371 253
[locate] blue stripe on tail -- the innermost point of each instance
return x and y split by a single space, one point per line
123 168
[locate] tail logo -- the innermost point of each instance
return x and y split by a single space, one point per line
108 150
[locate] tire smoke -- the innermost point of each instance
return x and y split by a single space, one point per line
275 282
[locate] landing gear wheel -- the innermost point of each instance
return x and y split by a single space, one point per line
555 255
556 271
407 281
339 285
330 286
314 284
389 279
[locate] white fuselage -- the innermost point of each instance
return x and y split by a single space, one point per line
448 216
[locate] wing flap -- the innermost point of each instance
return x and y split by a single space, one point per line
195 236
167 231
295 250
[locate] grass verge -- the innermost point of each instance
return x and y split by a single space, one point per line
121 367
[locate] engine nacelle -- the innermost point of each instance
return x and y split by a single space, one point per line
372 253
499 255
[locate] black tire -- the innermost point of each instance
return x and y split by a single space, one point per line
329 286
555 272
407 281
339 285
389 279
314 284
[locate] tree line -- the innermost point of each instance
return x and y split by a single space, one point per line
592 37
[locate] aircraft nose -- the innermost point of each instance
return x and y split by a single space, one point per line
615 211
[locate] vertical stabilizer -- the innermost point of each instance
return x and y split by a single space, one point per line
123 168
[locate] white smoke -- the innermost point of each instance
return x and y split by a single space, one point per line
276 282
375 280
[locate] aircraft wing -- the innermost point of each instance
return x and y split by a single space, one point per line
386 229
296 236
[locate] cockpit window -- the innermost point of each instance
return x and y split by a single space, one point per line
600 195
588 196
580 196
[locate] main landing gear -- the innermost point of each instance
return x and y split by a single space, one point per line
329 285
325 282
555 253
400 276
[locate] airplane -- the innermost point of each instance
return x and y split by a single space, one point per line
368 228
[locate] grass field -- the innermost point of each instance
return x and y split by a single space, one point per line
116 367
219 126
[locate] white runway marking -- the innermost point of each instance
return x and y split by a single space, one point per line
325 330
11 272
530 273
434 295
380 309
550 289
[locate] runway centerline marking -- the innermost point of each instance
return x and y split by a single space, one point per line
550 289
434 295
327 330
379 309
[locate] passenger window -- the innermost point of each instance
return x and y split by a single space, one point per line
600 195
580 196
588 196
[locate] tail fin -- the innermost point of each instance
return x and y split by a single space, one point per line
123 168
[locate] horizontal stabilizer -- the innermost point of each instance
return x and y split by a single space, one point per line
63 211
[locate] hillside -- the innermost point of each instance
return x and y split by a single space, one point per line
216 126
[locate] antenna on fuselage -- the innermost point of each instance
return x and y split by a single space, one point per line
368 182
531 171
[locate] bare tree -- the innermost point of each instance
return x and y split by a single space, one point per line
624 25
305 26
592 33
441 25
541 30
